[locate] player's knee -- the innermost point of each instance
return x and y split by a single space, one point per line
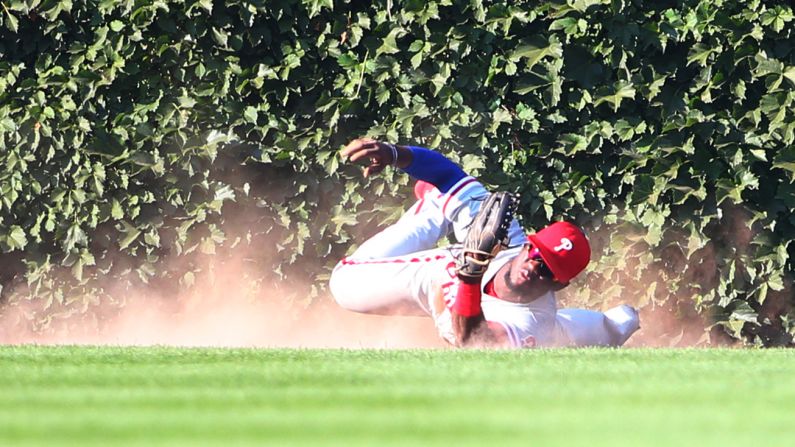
342 285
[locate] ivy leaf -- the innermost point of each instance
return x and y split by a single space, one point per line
389 44
225 192
536 48
7 125
622 90
107 145
572 143
642 189
759 154
130 232
785 159
743 312
116 210
472 164
220 37
569 25
347 61
416 60
699 53
317 5
624 130
789 73
416 46
116 25
530 82
11 22
75 236
726 189
16 239
776 281
777 17
251 115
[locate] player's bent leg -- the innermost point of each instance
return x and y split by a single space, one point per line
377 302
385 286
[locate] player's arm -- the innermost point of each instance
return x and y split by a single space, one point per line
487 235
418 162
469 325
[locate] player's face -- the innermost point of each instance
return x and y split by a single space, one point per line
528 276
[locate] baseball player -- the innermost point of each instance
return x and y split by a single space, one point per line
497 288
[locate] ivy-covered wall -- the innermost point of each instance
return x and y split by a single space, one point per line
142 141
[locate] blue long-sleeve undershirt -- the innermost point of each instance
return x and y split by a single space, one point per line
434 168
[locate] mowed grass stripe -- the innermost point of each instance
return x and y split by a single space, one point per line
171 396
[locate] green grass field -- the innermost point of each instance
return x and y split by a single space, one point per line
171 396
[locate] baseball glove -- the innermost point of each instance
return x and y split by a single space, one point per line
487 235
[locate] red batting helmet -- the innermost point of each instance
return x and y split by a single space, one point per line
564 248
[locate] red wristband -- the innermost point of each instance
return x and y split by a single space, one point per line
467 300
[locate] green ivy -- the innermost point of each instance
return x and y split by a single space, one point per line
141 140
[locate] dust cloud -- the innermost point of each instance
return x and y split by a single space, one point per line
222 309
229 321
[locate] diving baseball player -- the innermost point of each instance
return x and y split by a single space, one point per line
496 288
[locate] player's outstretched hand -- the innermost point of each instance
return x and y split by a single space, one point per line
380 154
